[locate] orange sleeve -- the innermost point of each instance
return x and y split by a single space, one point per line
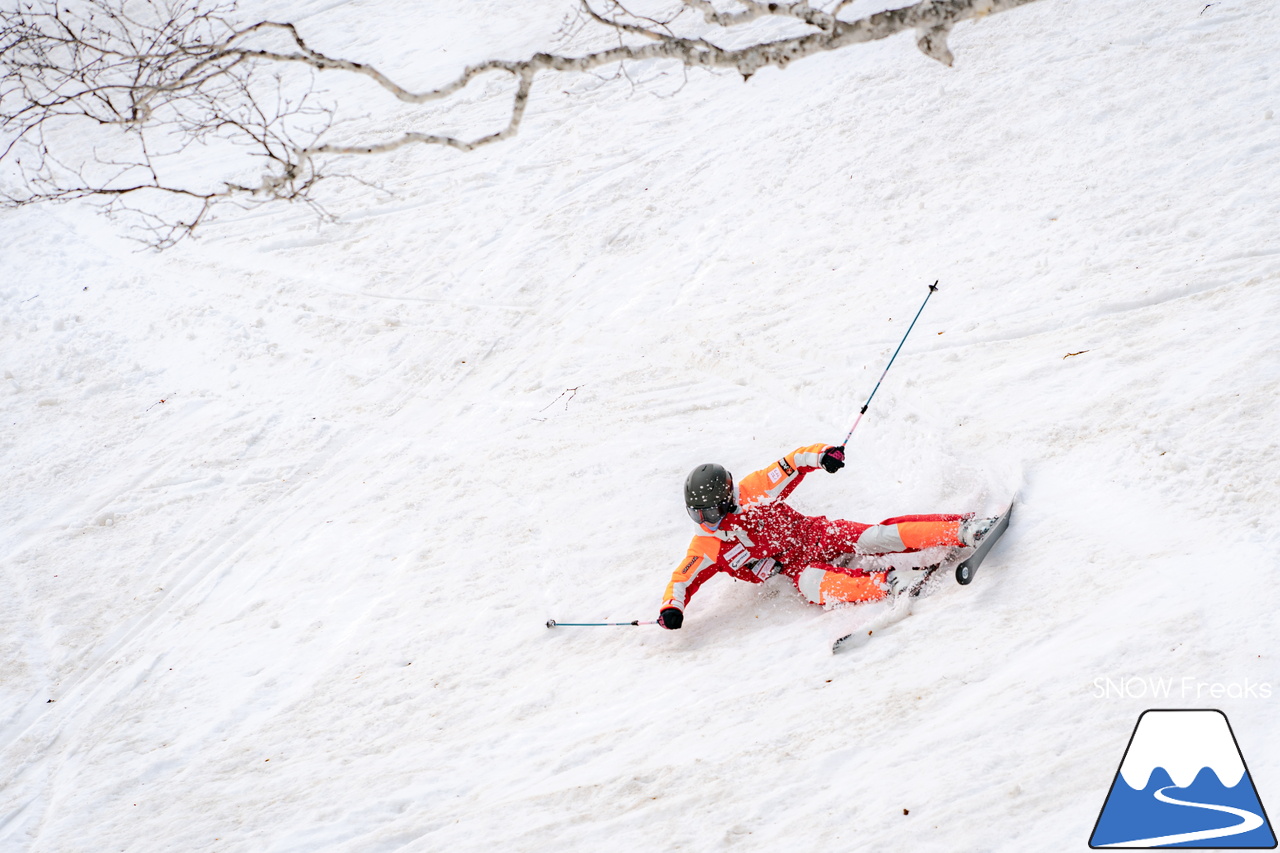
698 565
777 480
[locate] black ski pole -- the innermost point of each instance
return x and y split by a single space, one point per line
932 289
551 623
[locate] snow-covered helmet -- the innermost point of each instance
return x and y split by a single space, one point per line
708 494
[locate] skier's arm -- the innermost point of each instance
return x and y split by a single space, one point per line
807 458
781 478
699 564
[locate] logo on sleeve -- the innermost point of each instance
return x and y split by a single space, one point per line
786 468
774 475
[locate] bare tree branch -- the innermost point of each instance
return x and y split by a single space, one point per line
149 81
751 10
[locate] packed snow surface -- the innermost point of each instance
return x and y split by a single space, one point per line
286 508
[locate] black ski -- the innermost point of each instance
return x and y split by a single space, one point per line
969 566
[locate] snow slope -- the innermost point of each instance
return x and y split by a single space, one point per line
286 508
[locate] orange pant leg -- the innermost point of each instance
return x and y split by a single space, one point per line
823 584
926 534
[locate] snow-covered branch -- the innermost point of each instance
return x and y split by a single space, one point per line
111 98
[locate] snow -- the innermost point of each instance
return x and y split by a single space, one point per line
287 507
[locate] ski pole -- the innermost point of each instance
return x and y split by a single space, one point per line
551 623
932 289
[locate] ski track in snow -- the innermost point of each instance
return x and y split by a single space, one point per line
299 604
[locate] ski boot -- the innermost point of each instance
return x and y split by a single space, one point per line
974 530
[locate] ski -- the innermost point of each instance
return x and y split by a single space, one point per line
903 603
900 608
969 566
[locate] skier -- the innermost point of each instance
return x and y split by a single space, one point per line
750 533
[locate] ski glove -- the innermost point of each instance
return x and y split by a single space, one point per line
832 460
671 618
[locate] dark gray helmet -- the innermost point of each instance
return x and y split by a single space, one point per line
708 494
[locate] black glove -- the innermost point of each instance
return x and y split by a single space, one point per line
671 618
832 460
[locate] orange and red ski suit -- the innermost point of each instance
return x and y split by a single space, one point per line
765 536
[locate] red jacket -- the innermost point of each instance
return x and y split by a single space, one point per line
749 543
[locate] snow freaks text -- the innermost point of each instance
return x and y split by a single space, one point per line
1153 687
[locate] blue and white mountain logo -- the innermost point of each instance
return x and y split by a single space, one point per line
1183 783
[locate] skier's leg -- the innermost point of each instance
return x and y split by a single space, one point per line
912 533
935 516
822 540
826 584
825 539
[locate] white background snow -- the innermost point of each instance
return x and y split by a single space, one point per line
299 605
